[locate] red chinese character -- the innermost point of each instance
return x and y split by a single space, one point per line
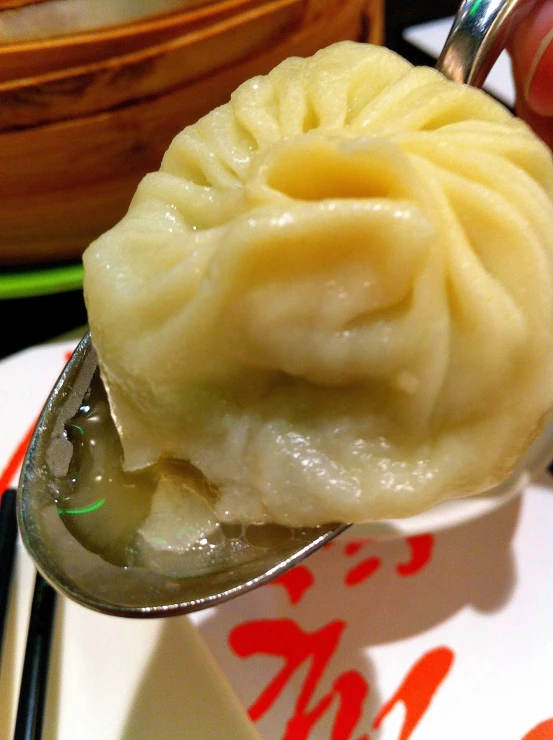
543 731
296 582
285 639
362 570
421 547
13 464
418 689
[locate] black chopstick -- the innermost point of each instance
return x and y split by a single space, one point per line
32 693
8 537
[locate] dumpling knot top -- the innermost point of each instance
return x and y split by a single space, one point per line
335 298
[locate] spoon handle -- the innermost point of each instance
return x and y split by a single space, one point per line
477 37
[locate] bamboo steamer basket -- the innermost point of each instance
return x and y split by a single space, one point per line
30 20
33 58
64 183
107 84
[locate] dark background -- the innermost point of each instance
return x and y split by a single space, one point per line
401 14
28 321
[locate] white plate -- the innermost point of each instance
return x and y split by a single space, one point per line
451 628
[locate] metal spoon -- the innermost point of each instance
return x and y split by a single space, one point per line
478 36
472 47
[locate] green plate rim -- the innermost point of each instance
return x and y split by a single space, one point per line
32 283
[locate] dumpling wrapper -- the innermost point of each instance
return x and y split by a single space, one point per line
335 298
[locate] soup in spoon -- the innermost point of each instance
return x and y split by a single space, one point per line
142 519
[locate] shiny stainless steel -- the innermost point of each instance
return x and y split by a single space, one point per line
478 36
472 46
86 577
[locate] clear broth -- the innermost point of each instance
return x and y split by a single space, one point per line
104 506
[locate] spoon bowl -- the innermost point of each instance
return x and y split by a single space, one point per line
86 577
476 38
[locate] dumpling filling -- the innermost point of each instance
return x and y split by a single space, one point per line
335 298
